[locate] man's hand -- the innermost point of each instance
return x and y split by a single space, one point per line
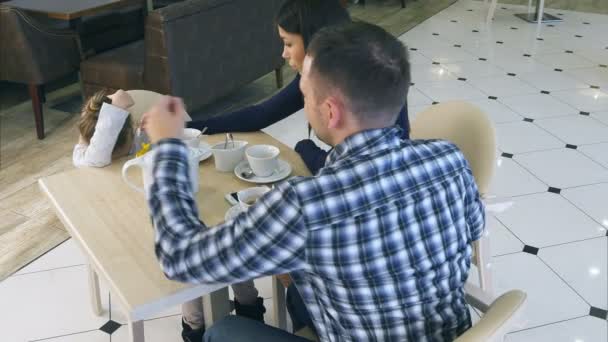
164 120
121 99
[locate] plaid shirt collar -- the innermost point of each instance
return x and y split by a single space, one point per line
366 142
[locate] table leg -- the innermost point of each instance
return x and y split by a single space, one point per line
279 304
216 306
94 291
136 331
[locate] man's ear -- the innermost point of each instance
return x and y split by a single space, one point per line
335 112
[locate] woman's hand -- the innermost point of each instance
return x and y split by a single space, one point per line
121 99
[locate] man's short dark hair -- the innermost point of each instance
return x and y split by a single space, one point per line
367 64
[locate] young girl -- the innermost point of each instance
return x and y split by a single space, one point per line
106 133
106 130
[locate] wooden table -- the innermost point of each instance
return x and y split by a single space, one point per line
111 223
71 10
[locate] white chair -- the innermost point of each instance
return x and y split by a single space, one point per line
470 129
144 100
498 317
491 9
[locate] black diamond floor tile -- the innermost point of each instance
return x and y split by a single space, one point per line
110 327
530 250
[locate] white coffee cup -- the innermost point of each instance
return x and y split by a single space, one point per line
146 163
249 196
227 156
263 159
190 137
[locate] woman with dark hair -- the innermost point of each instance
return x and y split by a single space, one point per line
297 21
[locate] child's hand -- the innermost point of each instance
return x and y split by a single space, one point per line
121 99
165 119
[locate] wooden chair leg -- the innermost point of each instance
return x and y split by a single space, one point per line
279 303
136 331
94 291
35 94
278 73
402 3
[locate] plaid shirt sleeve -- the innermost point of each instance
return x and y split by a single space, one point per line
474 208
267 239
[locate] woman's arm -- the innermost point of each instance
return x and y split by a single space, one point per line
254 118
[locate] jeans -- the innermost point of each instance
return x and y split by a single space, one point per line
297 310
236 328
192 311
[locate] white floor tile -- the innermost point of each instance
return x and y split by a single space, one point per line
290 130
518 64
89 336
596 76
591 199
538 105
597 152
503 86
547 219
475 69
450 90
576 130
510 179
597 55
416 98
166 329
584 266
551 80
46 304
498 112
521 136
65 255
431 73
549 299
601 116
587 100
417 59
584 329
502 241
563 168
564 60
447 55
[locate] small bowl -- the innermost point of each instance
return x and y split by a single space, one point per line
226 159
190 137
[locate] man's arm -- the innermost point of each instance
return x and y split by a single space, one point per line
268 239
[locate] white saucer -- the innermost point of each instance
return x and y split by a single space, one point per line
203 151
283 172
233 212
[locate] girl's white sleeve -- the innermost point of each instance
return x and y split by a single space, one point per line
99 152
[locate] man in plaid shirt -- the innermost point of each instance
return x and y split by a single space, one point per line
378 243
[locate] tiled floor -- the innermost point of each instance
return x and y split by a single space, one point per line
548 98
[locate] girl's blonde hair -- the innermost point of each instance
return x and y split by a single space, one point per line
88 121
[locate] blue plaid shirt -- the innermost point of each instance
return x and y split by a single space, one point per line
378 243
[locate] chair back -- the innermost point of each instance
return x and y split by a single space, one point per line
466 126
472 131
33 53
144 100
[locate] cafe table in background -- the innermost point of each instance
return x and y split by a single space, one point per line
111 223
